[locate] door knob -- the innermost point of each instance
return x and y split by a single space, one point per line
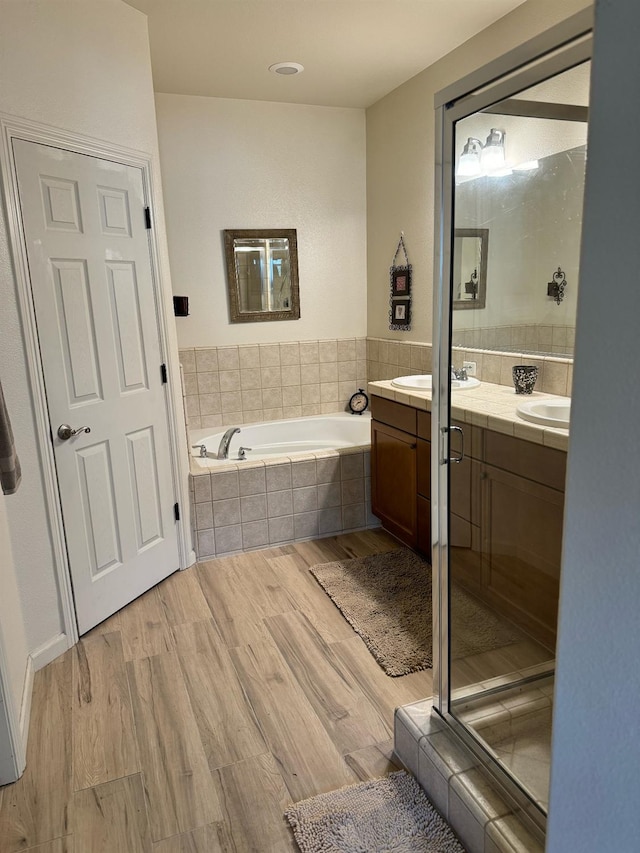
65 432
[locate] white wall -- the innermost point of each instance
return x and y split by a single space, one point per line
595 786
400 157
254 164
12 634
80 65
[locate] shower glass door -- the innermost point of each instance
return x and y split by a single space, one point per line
514 161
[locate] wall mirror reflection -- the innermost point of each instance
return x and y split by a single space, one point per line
262 274
470 252
520 172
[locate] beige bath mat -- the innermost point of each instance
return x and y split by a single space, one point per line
386 598
382 816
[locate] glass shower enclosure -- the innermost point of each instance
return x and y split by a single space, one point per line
510 163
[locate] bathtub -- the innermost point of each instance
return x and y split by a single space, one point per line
303 478
285 438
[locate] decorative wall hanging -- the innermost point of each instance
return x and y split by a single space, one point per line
400 299
557 287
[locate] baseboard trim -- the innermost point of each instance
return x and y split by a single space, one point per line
50 650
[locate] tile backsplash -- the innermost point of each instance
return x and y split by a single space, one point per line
387 359
264 382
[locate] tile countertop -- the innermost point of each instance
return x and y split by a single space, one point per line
490 406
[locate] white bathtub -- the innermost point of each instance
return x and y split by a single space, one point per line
286 437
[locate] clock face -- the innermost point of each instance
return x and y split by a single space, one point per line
359 402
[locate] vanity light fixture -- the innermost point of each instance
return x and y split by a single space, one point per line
469 162
286 68
488 159
492 157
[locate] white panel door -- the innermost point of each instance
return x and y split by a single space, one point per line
94 298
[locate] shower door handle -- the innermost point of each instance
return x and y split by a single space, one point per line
460 457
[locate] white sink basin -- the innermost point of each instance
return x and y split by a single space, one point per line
553 413
423 383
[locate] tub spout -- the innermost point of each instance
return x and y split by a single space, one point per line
223 450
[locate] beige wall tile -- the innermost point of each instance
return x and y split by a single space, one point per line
346 349
207 383
206 360
228 358
309 352
290 353
229 380
249 357
309 374
270 377
187 359
269 355
328 351
290 374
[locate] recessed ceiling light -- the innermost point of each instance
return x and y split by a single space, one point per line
286 68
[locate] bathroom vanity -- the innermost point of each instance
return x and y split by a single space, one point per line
506 497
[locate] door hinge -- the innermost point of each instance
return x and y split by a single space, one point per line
176 511
147 217
163 373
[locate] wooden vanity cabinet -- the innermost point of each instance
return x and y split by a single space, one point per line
506 502
394 468
522 494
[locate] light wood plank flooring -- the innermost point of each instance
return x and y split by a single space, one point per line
189 720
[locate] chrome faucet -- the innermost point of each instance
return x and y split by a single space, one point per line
223 450
202 450
459 374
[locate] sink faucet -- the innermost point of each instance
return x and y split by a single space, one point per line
223 450
459 374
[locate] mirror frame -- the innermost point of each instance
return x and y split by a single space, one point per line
483 234
235 314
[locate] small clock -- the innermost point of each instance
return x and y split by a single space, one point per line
359 402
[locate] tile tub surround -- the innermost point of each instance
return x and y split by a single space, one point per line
247 505
481 813
388 359
490 406
266 382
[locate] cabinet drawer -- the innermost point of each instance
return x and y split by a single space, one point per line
544 465
394 414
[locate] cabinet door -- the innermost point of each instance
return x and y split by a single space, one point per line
394 481
522 549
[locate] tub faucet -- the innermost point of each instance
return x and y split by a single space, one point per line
202 450
223 450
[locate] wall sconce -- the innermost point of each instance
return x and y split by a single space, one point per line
556 288
471 286
478 159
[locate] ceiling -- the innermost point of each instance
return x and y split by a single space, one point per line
354 51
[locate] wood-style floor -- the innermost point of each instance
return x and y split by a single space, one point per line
189 720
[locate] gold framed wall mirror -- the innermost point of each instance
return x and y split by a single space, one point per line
262 274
